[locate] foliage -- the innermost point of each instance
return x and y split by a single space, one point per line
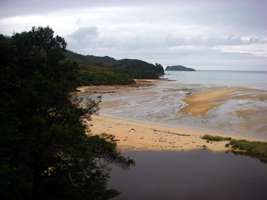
250 148
215 138
140 69
89 60
254 149
179 68
45 151
103 76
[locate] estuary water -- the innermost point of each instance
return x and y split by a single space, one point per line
201 175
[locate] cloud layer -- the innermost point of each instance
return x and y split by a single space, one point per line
204 34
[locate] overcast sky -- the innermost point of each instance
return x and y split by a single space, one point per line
205 34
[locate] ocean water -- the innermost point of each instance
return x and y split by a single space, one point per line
249 79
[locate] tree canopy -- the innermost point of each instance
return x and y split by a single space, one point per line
45 150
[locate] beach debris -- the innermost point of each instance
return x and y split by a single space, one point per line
169 132
132 130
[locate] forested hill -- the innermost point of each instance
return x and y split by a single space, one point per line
104 61
107 70
179 68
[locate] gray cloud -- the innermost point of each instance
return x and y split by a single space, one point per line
212 41
83 37
202 33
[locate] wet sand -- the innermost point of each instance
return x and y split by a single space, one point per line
252 117
201 103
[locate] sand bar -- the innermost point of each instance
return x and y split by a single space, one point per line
202 102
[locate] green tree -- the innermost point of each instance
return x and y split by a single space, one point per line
46 152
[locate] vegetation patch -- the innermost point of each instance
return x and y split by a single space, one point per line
91 75
215 138
254 149
250 148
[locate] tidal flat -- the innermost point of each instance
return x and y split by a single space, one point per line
233 111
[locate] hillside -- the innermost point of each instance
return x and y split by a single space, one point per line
90 59
106 70
179 68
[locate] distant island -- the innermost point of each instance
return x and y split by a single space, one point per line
179 68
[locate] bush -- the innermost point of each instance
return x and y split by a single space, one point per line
254 149
251 148
215 138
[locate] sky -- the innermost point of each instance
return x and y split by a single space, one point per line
204 34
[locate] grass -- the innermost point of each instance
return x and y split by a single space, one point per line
250 148
253 149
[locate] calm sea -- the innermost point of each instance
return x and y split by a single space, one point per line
250 79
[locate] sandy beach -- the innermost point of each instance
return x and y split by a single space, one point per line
132 135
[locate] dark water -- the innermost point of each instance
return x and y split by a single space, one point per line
191 175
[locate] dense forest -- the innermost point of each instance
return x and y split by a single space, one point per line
179 68
106 70
46 150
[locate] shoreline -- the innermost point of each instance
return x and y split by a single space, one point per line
137 136
103 89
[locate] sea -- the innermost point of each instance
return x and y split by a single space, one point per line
249 79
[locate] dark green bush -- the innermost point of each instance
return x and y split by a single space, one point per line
91 75
215 138
254 149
